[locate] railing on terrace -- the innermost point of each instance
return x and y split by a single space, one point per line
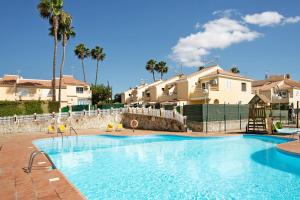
170 114
55 116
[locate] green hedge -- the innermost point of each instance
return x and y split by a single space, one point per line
53 106
110 105
32 107
10 108
93 107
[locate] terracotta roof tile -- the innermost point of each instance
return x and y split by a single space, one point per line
67 80
278 81
227 73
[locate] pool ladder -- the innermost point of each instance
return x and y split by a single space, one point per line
31 159
72 129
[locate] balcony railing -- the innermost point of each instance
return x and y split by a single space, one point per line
199 93
284 99
168 97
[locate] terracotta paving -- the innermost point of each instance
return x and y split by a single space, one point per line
292 147
15 152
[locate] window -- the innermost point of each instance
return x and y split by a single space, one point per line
283 94
204 86
83 101
244 87
79 90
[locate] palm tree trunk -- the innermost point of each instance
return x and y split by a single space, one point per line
153 76
55 25
97 68
83 71
161 75
61 69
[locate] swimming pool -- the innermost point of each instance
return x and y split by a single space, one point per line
174 167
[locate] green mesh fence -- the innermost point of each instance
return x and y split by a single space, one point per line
215 112
109 106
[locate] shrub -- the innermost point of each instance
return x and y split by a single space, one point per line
10 108
110 105
65 109
80 107
53 106
100 93
279 125
32 107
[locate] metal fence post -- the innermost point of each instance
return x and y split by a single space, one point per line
34 117
224 117
15 118
279 112
240 116
297 114
206 118
240 121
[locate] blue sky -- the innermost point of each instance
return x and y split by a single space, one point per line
134 31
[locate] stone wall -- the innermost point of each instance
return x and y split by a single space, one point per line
218 126
153 123
78 123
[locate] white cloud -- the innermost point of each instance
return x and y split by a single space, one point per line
269 18
226 13
197 25
216 34
292 20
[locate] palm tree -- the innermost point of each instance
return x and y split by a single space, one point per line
51 9
150 67
161 68
98 55
65 32
82 52
235 70
165 70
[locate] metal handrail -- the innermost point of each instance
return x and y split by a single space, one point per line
31 159
72 129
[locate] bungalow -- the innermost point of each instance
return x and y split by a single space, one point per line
210 85
17 88
278 89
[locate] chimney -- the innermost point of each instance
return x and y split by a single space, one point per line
266 76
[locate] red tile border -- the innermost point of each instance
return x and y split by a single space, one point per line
16 184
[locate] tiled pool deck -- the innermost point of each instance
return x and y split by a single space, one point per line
15 152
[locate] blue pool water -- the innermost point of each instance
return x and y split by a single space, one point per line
173 167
